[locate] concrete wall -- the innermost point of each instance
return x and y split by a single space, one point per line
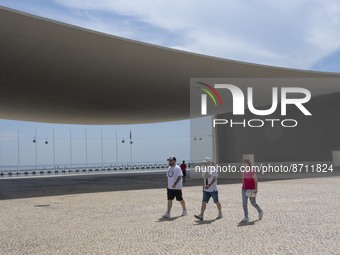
313 139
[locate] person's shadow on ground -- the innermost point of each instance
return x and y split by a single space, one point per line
202 222
168 219
242 224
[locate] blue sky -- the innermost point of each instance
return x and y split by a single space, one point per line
298 34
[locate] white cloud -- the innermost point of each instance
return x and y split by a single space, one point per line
284 33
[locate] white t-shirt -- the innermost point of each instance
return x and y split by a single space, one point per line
172 174
210 175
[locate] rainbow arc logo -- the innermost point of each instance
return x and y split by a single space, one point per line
212 93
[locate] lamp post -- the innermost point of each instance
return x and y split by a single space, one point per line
123 140
131 142
53 150
70 149
36 148
116 147
101 147
86 155
18 150
35 141
0 152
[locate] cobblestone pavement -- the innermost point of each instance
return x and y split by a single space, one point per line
301 217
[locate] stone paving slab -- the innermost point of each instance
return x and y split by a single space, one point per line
301 217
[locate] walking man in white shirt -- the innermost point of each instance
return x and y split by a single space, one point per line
210 175
174 189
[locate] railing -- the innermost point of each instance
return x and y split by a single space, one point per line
13 171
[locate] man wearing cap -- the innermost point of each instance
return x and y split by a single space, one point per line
174 189
210 175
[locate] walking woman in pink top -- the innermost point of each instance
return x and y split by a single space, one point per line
249 189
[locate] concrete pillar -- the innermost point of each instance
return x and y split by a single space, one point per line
215 156
248 156
336 158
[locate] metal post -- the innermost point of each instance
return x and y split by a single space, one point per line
101 145
116 147
53 150
36 149
131 153
86 155
70 148
131 147
0 152
18 150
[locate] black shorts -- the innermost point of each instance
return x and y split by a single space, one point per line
175 193
184 173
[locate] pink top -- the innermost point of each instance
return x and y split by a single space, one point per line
248 180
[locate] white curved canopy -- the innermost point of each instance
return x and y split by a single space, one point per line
54 72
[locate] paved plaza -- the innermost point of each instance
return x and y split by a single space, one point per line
301 217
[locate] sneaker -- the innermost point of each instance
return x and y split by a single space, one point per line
200 216
245 220
261 214
166 215
184 213
219 216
